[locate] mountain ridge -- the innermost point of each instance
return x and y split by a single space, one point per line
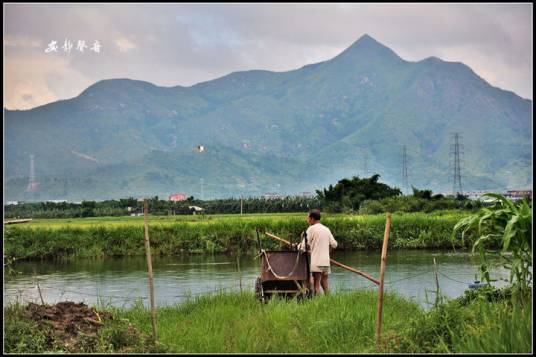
365 98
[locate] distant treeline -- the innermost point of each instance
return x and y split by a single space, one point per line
128 206
355 195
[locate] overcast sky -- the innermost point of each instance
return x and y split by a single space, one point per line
182 44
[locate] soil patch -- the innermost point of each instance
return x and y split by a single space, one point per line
67 321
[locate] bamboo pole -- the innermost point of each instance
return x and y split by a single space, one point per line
149 267
436 281
365 275
38 287
382 274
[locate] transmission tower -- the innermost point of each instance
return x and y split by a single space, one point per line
32 183
202 193
405 181
456 151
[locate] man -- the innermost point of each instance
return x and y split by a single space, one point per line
320 241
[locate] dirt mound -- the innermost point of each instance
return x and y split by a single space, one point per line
67 319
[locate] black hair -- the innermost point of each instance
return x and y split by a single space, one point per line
315 214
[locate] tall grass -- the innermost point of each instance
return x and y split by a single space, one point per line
489 323
224 323
228 234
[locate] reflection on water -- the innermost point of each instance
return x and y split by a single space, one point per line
120 281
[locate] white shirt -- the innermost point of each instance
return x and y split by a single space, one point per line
319 240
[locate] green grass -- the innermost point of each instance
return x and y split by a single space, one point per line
220 234
341 322
337 323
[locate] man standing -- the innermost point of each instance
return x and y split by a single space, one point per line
320 241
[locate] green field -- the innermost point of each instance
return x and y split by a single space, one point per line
113 236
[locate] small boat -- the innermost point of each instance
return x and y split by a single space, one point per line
16 221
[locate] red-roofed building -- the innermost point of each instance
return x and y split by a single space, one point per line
177 197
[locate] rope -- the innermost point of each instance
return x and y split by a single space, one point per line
272 270
406 278
457 281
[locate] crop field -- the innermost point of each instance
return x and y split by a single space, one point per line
117 236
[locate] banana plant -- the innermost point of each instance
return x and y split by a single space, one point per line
507 225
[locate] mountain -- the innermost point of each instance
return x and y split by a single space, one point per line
266 131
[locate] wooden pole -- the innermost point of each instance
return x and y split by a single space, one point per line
38 287
382 274
365 275
436 281
149 267
239 271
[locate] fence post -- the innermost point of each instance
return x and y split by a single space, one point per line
149 267
382 274
38 287
436 281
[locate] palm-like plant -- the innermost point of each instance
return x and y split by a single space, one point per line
506 224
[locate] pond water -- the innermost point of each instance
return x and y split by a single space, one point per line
121 281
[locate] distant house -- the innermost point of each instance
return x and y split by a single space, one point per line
475 195
272 196
196 209
137 212
518 194
177 197
14 203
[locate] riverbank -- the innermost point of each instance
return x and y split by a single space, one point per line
221 234
338 323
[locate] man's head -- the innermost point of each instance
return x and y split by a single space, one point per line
313 216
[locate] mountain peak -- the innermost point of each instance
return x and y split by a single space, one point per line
367 47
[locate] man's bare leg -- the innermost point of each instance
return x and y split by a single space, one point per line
317 278
324 282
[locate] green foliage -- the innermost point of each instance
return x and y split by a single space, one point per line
506 224
159 207
485 320
425 194
416 204
349 194
218 234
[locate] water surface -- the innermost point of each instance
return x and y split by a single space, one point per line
120 281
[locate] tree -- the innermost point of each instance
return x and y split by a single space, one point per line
349 194
425 194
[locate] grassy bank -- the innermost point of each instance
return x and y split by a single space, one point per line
220 234
342 322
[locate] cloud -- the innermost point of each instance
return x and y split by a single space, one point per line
22 41
28 85
125 45
191 43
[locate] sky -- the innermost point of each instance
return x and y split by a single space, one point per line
183 44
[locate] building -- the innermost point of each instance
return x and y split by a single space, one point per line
195 209
137 212
177 197
14 203
475 195
305 194
272 196
518 194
